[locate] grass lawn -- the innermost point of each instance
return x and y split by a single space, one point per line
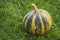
12 13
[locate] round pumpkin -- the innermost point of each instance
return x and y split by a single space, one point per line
37 21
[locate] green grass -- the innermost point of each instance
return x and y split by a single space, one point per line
12 13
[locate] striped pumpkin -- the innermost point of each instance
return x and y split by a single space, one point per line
37 21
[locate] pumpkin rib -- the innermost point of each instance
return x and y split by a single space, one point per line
42 29
27 20
48 20
33 27
38 24
45 23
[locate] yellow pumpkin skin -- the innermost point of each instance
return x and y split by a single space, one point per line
37 23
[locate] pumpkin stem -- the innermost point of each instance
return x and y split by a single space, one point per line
35 8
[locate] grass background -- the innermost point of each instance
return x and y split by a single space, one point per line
12 13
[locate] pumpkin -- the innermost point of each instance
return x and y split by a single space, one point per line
37 21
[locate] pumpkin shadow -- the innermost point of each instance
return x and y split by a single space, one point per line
31 36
